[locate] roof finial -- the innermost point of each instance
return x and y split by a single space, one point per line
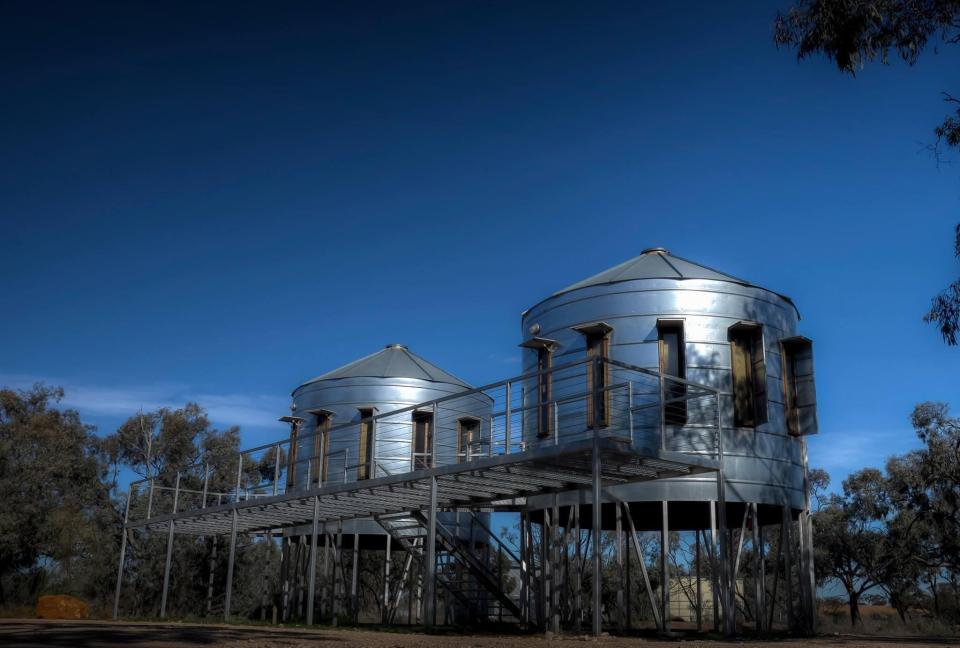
656 250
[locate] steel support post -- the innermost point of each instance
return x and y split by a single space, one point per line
597 553
714 567
638 552
354 574
786 539
337 575
665 566
698 572
758 583
325 593
123 555
524 576
776 581
386 581
430 563
555 570
807 587
629 580
312 568
285 545
545 571
618 550
806 560
265 583
577 572
230 560
726 591
166 564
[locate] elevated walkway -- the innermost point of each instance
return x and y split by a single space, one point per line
591 424
497 481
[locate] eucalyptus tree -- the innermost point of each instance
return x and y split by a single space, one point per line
854 32
56 516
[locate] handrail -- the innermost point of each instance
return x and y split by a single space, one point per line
501 436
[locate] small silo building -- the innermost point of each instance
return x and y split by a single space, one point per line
341 434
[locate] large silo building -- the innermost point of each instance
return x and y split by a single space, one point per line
686 321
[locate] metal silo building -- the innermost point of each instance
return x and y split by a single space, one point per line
684 320
344 429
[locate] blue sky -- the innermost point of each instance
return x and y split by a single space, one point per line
216 202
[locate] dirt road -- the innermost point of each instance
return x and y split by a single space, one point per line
100 634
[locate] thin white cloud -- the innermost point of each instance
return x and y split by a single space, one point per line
843 452
245 410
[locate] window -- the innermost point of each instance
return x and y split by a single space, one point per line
800 394
673 364
422 440
468 432
544 407
321 445
749 375
365 463
597 338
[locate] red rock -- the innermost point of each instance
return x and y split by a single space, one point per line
60 606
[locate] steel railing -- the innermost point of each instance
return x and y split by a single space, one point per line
565 403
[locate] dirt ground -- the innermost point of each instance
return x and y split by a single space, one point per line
31 633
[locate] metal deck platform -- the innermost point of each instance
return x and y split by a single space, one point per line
483 482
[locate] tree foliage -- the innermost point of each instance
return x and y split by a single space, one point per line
854 32
56 516
898 531
945 310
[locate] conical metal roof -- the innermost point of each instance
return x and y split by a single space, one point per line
653 263
394 361
658 263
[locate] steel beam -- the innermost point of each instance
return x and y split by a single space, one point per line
638 551
312 575
664 566
166 565
123 555
430 562
597 552
230 561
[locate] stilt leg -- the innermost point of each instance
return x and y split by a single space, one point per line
597 553
230 561
312 568
665 567
430 564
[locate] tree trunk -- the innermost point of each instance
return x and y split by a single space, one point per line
854 608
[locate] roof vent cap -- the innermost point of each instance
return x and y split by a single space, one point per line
395 345
656 250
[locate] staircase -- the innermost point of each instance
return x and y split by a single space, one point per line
468 578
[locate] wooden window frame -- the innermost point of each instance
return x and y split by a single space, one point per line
422 459
789 348
295 422
753 360
597 338
321 443
674 413
544 348
365 450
